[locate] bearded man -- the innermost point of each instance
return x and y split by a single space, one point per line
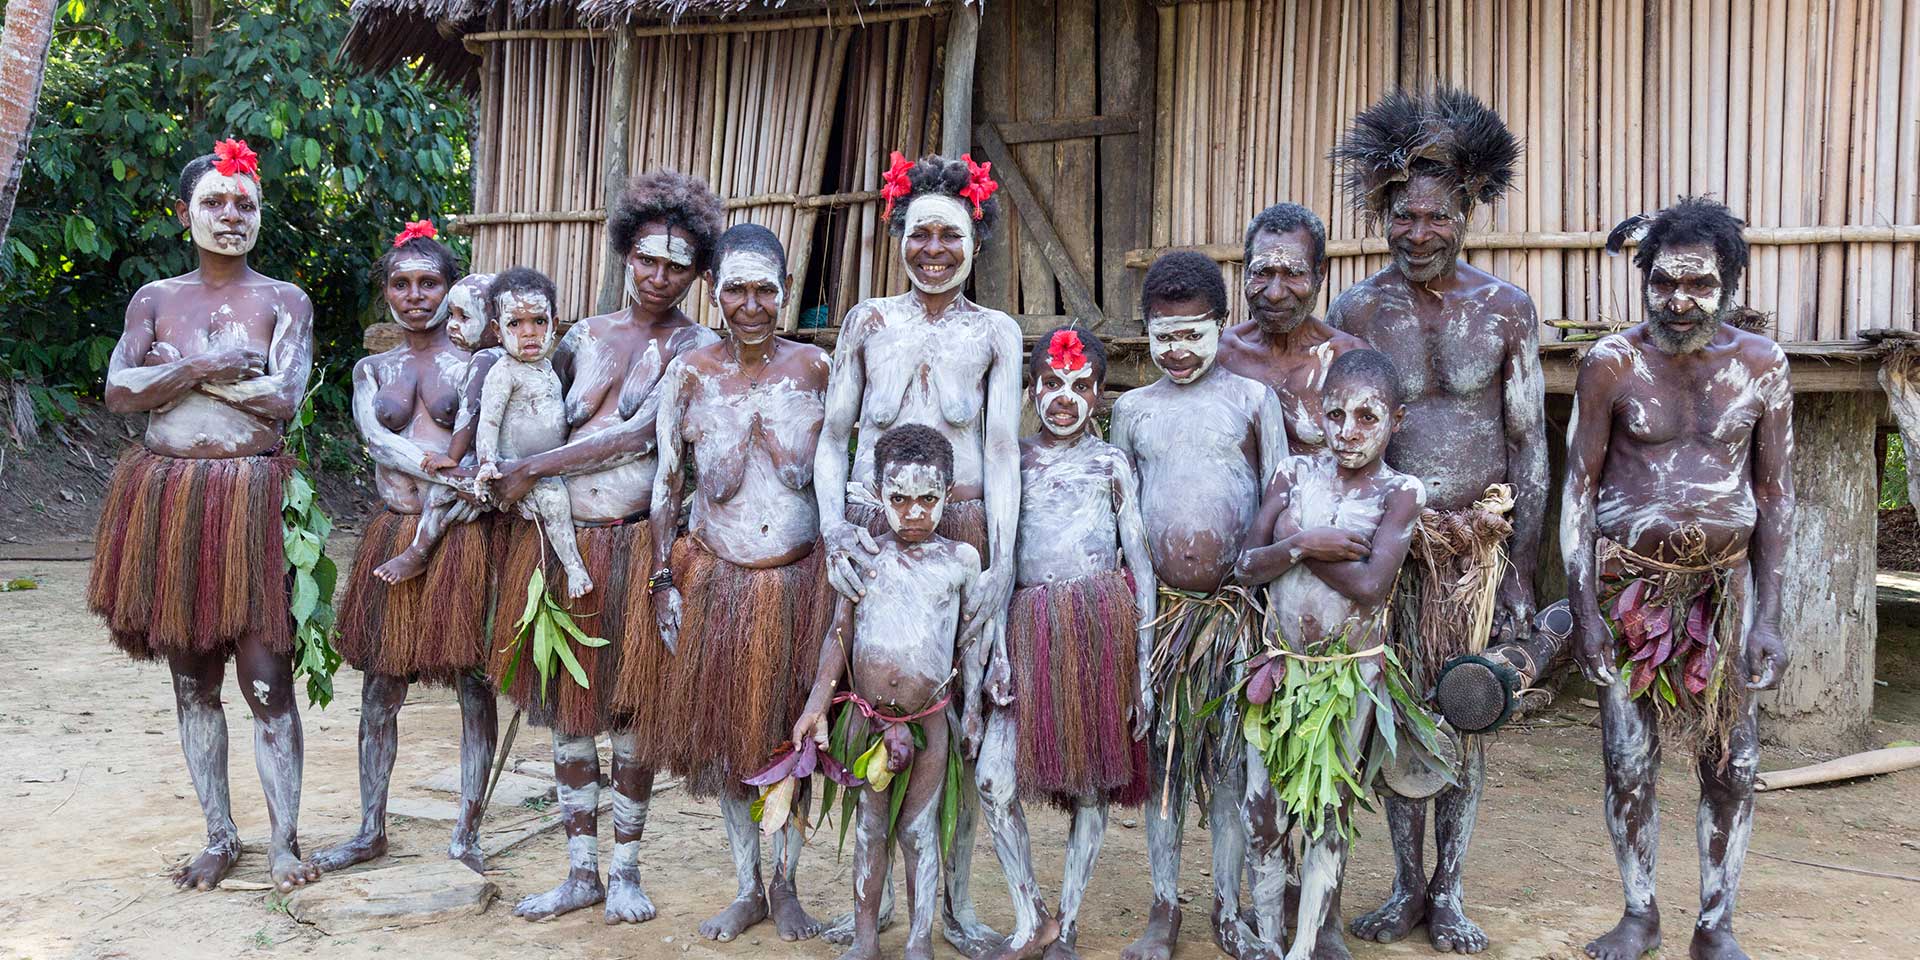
1678 504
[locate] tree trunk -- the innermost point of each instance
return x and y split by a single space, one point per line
1827 598
23 64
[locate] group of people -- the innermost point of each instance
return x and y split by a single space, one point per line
777 563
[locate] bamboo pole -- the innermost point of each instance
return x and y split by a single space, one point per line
473 41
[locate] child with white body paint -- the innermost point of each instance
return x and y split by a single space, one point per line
898 645
521 413
1332 533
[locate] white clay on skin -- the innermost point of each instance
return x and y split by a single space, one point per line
940 210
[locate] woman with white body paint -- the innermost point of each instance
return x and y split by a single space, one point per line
664 226
429 625
931 356
746 413
1204 441
190 565
1332 533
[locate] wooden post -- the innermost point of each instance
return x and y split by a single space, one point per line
619 120
956 86
1827 612
1078 293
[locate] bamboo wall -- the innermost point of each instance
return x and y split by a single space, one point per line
1794 112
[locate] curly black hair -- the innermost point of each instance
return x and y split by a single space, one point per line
1285 218
937 174
1184 275
1692 219
1038 361
913 443
443 259
1367 365
521 280
190 176
1450 134
751 237
672 198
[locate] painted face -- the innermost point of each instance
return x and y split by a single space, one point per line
1426 227
416 294
660 267
937 246
915 495
1359 419
749 290
224 213
526 325
1686 300
1281 282
1064 399
467 324
1184 338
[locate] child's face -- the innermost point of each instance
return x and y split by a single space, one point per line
526 325
1184 337
1064 399
915 494
467 312
1359 419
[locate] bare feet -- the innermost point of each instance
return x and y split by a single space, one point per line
1331 945
1156 942
792 919
967 934
626 901
205 871
742 913
869 951
1630 939
288 870
1450 931
578 583
1046 933
1235 939
1062 948
840 930
359 849
1396 918
575 892
469 853
408 564
1715 943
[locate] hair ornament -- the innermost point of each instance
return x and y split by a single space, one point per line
980 184
234 156
894 184
414 230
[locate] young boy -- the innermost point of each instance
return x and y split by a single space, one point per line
1328 543
898 644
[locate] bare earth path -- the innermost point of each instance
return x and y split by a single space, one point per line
95 803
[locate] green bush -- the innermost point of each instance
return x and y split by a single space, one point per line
1893 474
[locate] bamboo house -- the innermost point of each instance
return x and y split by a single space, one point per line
1122 128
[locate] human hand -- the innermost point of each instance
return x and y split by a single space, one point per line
1332 544
1513 610
512 481
1766 656
1143 707
161 353
812 724
1000 678
229 366
666 615
436 463
972 730
850 550
1593 647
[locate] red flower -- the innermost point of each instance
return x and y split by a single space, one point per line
415 229
895 184
1065 351
980 184
233 156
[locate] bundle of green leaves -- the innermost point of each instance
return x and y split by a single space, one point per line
544 631
304 530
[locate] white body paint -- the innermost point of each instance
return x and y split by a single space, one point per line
209 232
615 383
1081 409
946 211
520 415
906 627
1198 335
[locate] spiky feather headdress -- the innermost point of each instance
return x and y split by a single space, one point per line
1449 133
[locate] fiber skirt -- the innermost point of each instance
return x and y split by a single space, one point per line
1075 670
631 669
432 627
189 556
749 644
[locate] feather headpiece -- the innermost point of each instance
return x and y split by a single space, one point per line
1449 133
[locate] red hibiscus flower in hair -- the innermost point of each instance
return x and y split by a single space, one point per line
980 184
415 229
894 184
234 156
1065 351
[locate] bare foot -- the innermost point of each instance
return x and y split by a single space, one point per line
969 936
572 894
288 870
1235 939
578 583
626 901
840 930
407 565
1047 933
1331 945
204 872
742 913
1715 943
358 849
1062 948
1450 931
869 951
1156 942
469 853
1396 918
1630 939
789 916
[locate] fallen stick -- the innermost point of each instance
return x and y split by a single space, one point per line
1870 763
1840 867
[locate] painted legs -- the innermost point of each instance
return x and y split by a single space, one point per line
919 836
576 768
627 901
1437 901
754 900
1724 824
995 776
479 732
1083 849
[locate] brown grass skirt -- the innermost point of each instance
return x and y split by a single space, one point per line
1075 670
432 627
749 645
630 669
962 520
189 556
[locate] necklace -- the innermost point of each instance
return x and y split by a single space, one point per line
753 379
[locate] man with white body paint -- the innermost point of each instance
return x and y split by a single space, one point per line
746 411
1283 345
1204 441
1677 514
931 356
1466 344
218 359
664 225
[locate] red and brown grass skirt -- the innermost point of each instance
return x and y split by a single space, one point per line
962 520
1072 646
189 556
631 668
745 662
432 627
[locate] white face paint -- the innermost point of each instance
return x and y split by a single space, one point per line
206 213
915 494
665 246
526 325
934 214
1679 265
1184 347
467 310
1059 402
1359 421
749 290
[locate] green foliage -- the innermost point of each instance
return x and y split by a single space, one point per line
304 530
1893 474
345 159
542 631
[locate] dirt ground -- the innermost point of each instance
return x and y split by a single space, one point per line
98 804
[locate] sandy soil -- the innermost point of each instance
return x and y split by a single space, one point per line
98 804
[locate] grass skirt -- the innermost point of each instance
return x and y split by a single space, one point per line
749 645
189 556
1443 604
1198 642
432 627
1075 670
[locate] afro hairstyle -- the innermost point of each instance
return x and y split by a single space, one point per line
1367 365
674 199
1184 275
913 443
521 280
1690 220
937 174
